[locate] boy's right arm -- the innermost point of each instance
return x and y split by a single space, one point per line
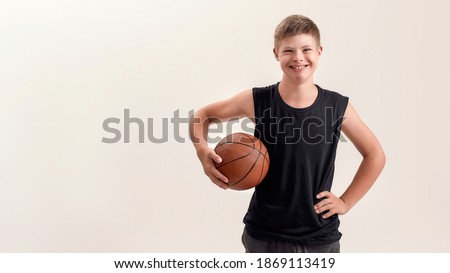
238 106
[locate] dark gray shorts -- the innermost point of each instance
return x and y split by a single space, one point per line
253 245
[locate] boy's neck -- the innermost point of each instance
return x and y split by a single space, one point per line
297 89
298 94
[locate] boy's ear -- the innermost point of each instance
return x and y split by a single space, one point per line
276 54
320 49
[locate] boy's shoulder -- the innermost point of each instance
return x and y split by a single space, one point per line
271 87
332 97
330 93
266 93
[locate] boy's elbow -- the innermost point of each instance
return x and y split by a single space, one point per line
379 157
382 158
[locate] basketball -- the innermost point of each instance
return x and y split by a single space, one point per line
245 160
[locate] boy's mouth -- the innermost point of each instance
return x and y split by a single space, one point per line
298 67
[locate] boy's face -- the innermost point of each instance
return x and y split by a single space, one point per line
299 56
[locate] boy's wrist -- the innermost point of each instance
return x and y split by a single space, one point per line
347 203
201 148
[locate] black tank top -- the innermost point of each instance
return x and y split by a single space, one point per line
302 148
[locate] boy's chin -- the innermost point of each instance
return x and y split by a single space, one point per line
298 77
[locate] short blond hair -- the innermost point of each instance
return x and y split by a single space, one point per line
293 25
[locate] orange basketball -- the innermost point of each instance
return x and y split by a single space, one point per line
245 160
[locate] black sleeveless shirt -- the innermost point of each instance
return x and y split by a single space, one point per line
302 147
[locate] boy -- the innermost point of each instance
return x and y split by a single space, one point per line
293 210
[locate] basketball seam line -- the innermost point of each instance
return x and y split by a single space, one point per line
261 173
220 166
254 163
253 147
232 142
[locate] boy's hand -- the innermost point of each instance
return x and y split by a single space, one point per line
331 203
207 157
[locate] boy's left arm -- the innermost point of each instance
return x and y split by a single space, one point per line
369 170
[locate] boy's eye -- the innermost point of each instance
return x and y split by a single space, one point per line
288 50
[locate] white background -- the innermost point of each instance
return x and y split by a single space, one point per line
66 66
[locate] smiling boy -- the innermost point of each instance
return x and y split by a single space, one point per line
293 209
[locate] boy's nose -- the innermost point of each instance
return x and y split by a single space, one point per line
298 58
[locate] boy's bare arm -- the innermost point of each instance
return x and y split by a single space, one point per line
373 157
239 106
370 168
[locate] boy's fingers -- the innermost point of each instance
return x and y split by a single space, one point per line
323 194
221 184
216 176
220 176
322 203
331 212
323 208
216 157
327 207
218 182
